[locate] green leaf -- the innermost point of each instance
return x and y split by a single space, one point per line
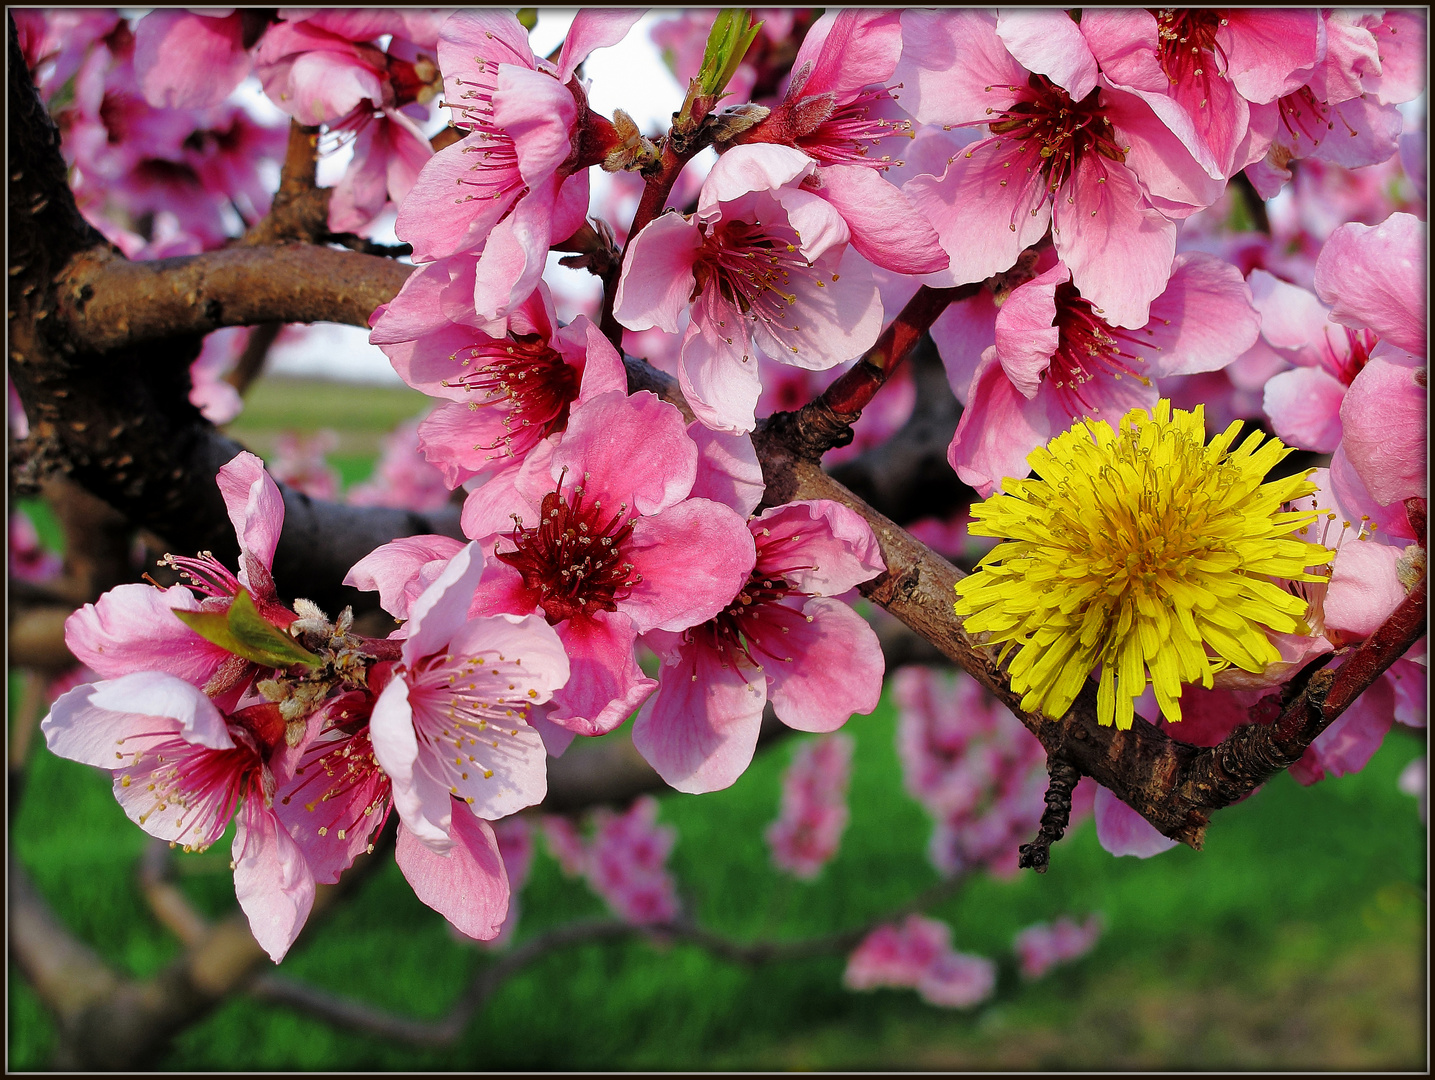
527 18
244 632
728 41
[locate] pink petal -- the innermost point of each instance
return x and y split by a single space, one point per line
153 694
1352 738
1119 252
1174 182
818 546
833 668
538 112
1304 407
1403 64
983 225
469 885
1026 333
1124 41
1354 501
718 374
490 35
658 274
361 193
693 558
463 443
1364 588
998 429
439 217
80 729
133 628
442 609
885 225
1204 319
488 511
961 334
603 369
1291 317
631 450
749 168
1384 422
391 568
590 30
700 729
1375 276
1050 43
271 879
324 86
189 61
1122 831
256 510
835 315
954 67
424 311
606 684
728 469
1270 53
515 253
422 802
849 50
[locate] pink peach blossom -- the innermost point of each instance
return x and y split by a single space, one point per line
814 814
765 264
627 863
1043 946
780 638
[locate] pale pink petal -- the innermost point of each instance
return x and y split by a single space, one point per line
1026 331
835 316
833 667
1409 679
1119 252
606 684
593 29
1204 319
154 694
700 729
631 450
538 112
189 61
256 509
818 546
133 628
818 225
1174 181
324 86
954 68
718 374
1291 317
83 729
490 34
555 739
390 568
886 227
1304 407
1122 831
1375 276
1270 53
1403 63
422 803
463 443
418 324
1364 588
271 879
728 469
603 369
469 885
515 253
1050 43
362 191
746 169
983 220
848 50
1364 133
442 609
693 558
1355 501
658 274
1384 421
998 429
440 216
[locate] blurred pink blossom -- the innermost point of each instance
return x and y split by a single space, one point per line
298 460
814 806
1043 946
627 863
918 954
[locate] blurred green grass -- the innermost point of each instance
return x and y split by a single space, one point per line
1295 940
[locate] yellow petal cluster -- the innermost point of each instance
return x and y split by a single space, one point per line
1142 550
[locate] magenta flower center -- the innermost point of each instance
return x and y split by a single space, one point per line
1089 346
205 784
573 558
845 137
1186 45
744 633
526 378
1047 135
344 772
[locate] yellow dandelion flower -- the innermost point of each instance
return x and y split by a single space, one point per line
1145 551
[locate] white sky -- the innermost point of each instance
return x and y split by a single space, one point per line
630 76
